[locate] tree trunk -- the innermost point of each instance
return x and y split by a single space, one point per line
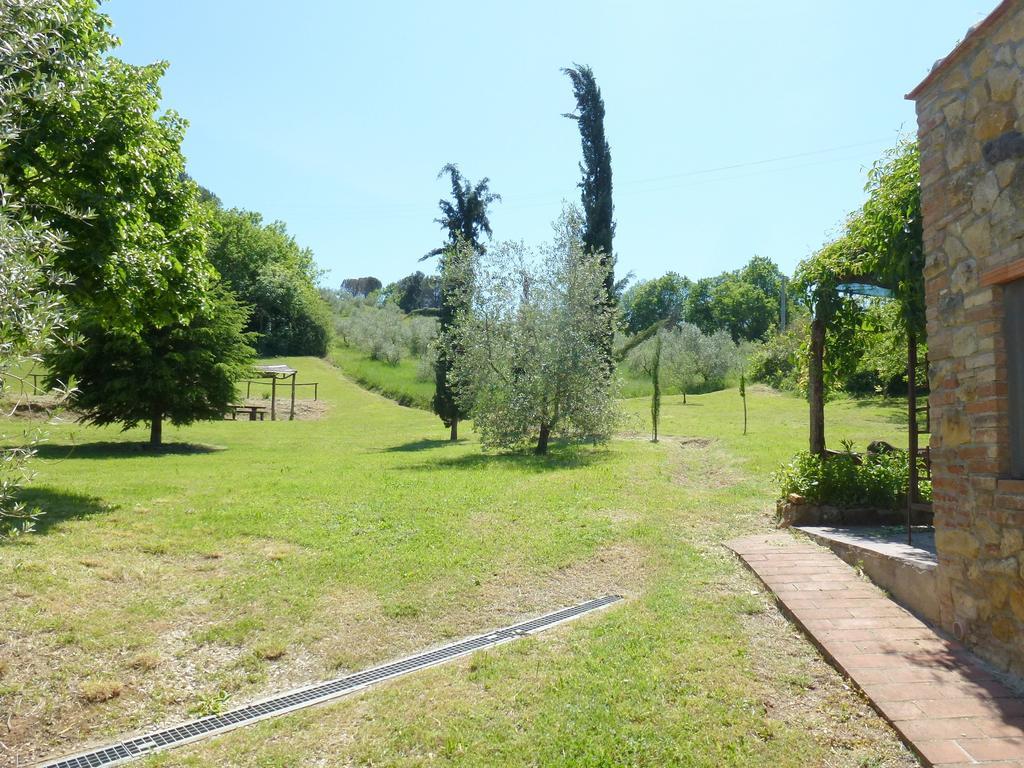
455 431
156 429
542 440
816 384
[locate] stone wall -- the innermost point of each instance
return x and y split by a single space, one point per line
970 111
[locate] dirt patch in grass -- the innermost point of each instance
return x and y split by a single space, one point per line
305 410
702 462
31 407
98 691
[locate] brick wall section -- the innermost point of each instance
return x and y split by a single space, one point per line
973 223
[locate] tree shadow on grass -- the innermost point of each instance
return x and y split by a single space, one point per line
893 410
58 506
420 445
119 450
562 457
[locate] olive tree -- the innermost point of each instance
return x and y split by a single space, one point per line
36 36
532 363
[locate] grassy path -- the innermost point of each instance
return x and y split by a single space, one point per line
269 555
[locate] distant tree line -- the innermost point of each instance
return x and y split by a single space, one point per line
265 269
745 302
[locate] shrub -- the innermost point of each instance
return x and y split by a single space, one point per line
425 366
847 480
691 361
385 333
779 361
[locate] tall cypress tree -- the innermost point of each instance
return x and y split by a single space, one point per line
596 184
465 218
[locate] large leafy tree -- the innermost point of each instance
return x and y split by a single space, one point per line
745 302
596 184
414 292
180 372
105 169
650 301
466 221
88 151
265 268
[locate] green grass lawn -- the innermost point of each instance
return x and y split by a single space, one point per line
397 382
251 557
400 383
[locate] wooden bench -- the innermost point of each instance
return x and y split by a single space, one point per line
252 410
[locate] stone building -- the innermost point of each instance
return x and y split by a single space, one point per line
971 125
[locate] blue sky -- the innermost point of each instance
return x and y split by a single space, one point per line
736 128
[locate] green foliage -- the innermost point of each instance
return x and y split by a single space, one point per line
846 480
881 354
457 277
465 215
414 292
41 40
689 361
103 167
266 269
597 230
780 360
745 302
650 301
32 321
465 219
98 165
881 245
596 184
531 365
183 372
383 333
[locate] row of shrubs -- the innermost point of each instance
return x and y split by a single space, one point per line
691 361
385 333
849 480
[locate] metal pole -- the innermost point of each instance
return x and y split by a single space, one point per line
291 416
782 308
273 398
315 385
912 480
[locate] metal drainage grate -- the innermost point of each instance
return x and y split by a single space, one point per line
132 749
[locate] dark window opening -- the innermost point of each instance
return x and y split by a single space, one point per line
1014 308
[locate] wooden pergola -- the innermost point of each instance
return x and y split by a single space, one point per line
278 373
865 287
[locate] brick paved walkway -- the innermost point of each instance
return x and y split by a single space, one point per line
943 703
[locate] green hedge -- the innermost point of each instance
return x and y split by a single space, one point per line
848 480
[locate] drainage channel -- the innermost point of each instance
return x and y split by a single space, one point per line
176 736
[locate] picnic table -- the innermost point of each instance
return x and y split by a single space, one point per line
252 410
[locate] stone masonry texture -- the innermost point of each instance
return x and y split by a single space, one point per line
971 130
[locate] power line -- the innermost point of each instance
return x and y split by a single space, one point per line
410 210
